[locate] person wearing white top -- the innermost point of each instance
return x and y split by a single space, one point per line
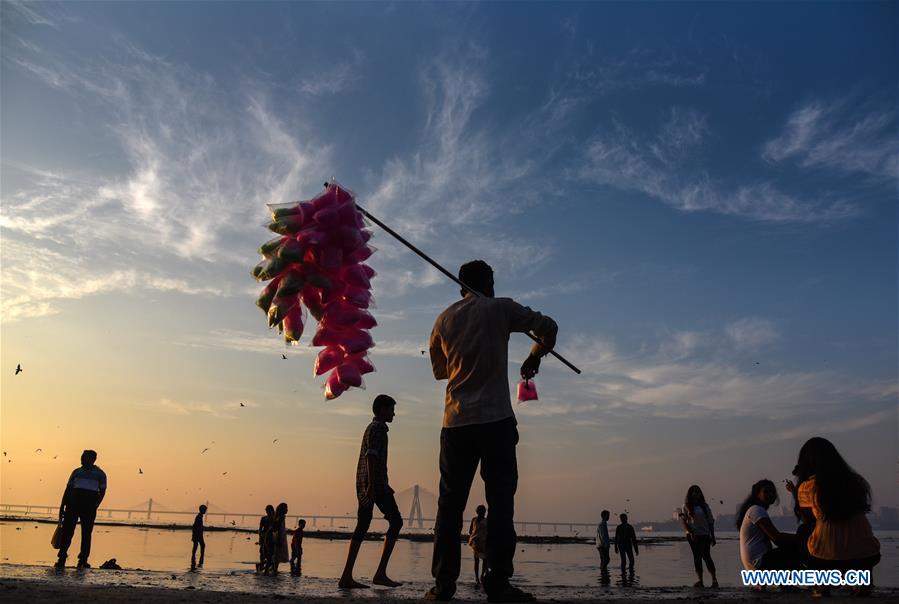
603 543
700 526
757 532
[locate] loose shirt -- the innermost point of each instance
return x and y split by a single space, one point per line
754 543
849 539
700 522
374 442
470 349
625 537
88 479
602 534
197 528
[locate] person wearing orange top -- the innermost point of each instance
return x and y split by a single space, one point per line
839 498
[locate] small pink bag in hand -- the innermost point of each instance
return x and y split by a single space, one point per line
527 391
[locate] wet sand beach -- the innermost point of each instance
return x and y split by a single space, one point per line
25 583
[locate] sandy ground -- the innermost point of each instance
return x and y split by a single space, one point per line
70 588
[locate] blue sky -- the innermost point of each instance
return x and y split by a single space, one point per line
702 195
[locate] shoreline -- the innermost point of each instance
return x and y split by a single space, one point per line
346 535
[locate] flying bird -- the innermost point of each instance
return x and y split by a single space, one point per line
38 450
18 369
204 450
242 405
140 471
284 356
233 523
4 454
274 441
422 352
223 473
55 456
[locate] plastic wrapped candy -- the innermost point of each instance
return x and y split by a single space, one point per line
268 294
316 263
329 358
293 324
272 247
291 284
269 269
361 362
291 250
349 375
292 223
279 308
527 391
333 386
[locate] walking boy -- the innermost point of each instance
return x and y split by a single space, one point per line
626 542
197 538
602 540
373 489
296 549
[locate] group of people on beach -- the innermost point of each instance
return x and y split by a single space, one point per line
469 348
273 548
830 501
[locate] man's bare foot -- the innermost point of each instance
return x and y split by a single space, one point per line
351 584
385 581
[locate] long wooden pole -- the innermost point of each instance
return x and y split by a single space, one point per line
433 263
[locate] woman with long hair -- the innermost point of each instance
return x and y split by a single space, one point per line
839 498
700 526
757 532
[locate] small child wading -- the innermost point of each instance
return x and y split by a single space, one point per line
477 541
296 549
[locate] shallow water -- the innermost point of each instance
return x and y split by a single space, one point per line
537 565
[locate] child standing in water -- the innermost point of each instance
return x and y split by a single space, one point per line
197 538
626 542
477 540
296 549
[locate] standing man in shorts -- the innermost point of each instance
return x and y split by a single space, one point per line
470 349
373 489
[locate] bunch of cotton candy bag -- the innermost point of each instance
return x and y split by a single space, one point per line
317 262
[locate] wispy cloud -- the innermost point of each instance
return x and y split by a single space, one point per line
218 410
696 374
200 171
837 135
36 280
752 333
269 344
461 178
639 68
336 79
620 159
27 13
797 433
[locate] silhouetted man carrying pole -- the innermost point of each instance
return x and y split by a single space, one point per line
469 349
83 495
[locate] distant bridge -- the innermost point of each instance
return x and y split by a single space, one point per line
153 512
